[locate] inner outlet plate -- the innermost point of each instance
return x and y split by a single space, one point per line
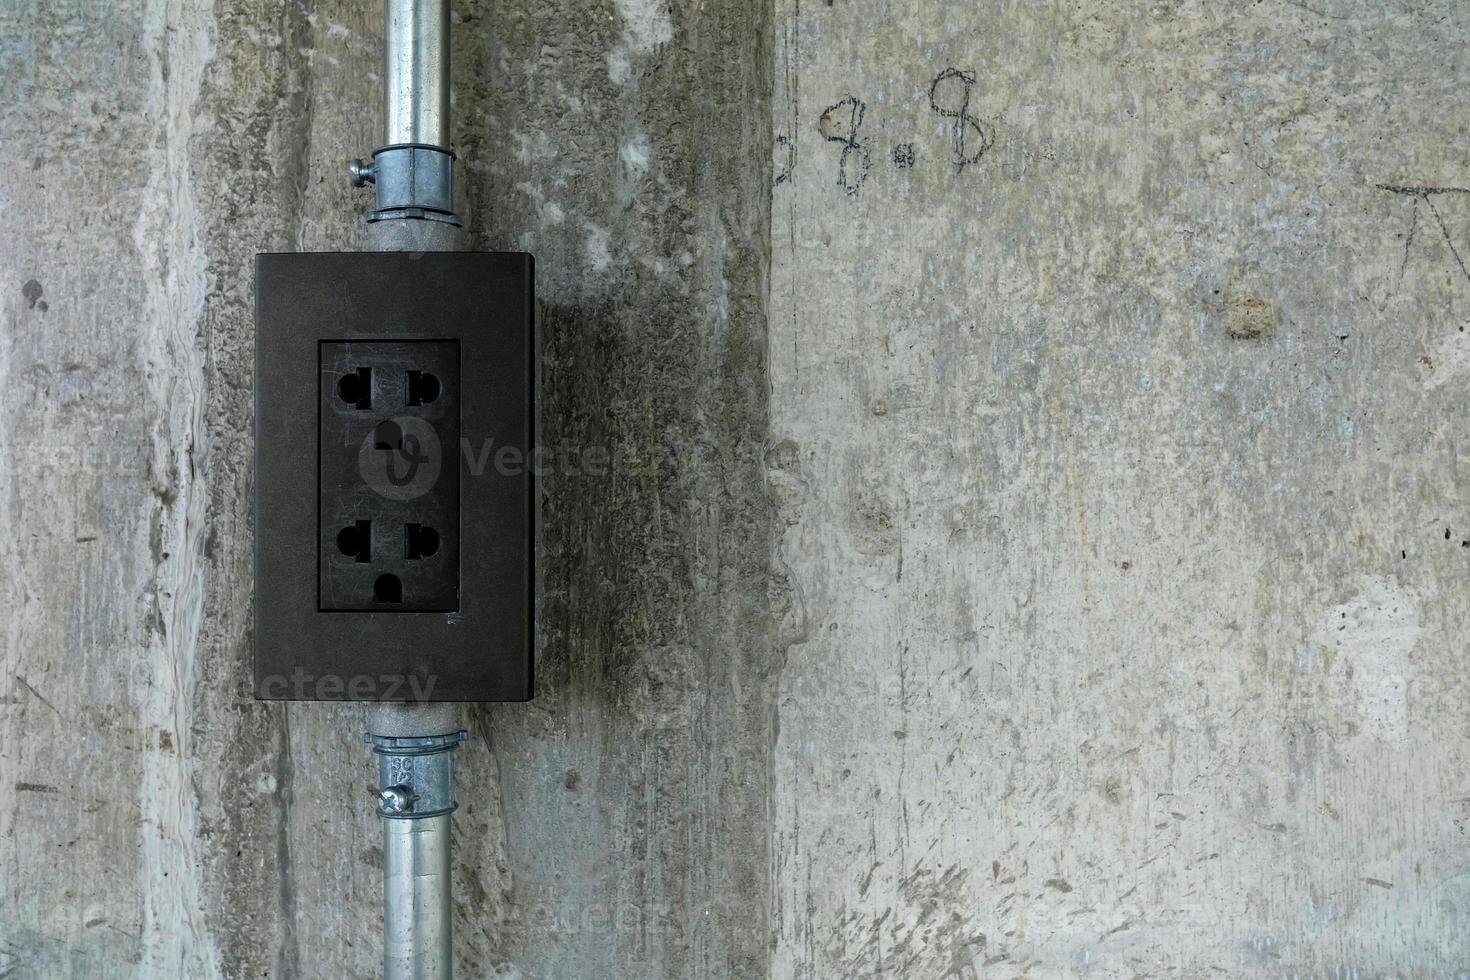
388 516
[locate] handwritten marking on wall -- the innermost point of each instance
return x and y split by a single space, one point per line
839 123
949 95
786 157
1426 195
952 104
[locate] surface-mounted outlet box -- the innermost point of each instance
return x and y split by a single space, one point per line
395 495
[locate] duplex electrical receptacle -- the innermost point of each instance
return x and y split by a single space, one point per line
388 519
395 501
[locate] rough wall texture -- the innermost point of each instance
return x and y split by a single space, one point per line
157 822
1080 594
1118 439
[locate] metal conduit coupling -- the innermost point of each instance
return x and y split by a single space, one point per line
415 775
413 170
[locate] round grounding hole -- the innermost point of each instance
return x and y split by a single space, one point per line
387 588
352 388
349 541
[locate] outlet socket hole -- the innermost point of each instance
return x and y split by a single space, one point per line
356 389
423 387
388 437
422 540
387 589
356 541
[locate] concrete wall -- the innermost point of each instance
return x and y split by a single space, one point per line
1120 466
1037 542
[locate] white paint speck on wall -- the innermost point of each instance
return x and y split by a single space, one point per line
646 24
646 28
1374 634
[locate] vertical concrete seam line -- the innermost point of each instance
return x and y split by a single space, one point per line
763 201
176 940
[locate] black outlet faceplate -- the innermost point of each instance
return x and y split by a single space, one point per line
391 561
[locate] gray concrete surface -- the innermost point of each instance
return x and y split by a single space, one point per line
1036 545
1121 475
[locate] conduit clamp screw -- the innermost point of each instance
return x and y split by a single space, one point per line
397 799
363 173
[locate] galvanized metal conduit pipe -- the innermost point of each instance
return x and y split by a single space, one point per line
414 176
418 934
416 73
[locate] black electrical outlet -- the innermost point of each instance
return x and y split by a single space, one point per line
394 534
388 515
